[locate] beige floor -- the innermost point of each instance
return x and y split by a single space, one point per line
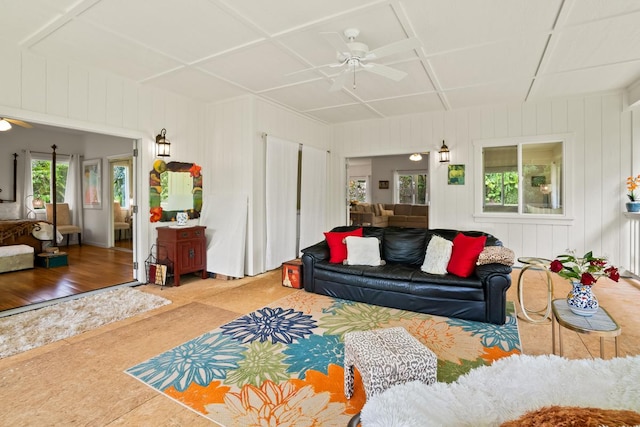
81 381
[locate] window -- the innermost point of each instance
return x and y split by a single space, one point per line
358 189
411 187
121 184
523 177
41 179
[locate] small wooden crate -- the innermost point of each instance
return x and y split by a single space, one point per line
50 260
292 274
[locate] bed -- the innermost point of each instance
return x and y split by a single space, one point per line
18 231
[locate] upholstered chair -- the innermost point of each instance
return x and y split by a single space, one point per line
63 221
119 220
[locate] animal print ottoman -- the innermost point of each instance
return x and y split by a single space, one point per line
385 357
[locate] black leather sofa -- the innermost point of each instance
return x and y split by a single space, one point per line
400 283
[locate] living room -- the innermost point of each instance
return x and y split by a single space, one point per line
217 75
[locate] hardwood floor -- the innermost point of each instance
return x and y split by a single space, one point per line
90 268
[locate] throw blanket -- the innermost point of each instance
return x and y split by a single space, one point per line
491 395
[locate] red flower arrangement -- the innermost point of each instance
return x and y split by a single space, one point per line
587 270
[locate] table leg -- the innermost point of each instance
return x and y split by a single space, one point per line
547 309
560 339
553 334
617 347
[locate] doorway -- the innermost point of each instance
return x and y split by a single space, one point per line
122 177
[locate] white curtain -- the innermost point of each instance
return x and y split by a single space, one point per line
73 192
28 185
313 196
281 195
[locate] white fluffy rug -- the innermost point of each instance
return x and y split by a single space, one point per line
490 395
34 328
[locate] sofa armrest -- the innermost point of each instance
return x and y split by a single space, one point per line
319 251
311 255
496 279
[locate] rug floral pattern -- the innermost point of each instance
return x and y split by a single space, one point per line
282 364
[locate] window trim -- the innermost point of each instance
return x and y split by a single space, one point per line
479 215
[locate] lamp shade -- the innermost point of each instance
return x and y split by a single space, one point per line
444 153
415 157
163 146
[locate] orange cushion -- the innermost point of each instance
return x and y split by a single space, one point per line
337 245
465 253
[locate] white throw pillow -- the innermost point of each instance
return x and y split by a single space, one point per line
437 256
363 251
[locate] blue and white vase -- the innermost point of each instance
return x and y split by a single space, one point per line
581 300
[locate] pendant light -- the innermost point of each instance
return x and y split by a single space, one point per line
444 153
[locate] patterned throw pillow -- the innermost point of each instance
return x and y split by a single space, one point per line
437 256
496 255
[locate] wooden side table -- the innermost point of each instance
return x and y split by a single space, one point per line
186 247
535 264
600 324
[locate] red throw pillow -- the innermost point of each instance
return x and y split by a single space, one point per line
465 253
337 246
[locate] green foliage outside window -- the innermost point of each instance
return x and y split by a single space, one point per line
501 188
119 185
41 177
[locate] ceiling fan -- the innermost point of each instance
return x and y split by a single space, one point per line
352 55
5 124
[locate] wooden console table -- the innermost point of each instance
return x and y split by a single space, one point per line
186 247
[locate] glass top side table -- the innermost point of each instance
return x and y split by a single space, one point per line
600 324
544 314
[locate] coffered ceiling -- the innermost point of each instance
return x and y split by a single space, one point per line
472 52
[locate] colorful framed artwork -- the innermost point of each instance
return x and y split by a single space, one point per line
456 175
92 184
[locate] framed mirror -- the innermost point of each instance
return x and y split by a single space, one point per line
174 187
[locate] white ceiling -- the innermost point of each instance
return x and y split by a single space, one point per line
473 51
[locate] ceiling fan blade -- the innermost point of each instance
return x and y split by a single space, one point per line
391 48
384 71
337 42
19 123
339 81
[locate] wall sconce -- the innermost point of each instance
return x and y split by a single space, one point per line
415 157
163 146
444 153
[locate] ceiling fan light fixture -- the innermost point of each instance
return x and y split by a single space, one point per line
444 153
4 125
415 157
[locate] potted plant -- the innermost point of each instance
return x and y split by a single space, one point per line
633 205
583 272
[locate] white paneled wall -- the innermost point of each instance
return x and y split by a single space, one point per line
53 92
600 161
238 149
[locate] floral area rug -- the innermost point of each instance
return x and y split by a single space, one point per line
282 364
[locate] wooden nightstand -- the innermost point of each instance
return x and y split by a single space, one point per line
186 247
